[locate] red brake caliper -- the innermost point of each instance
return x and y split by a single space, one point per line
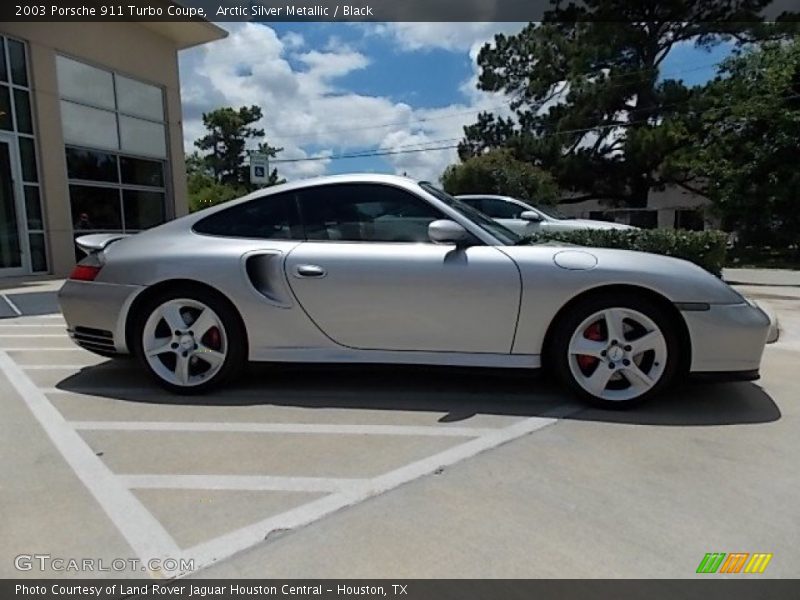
214 341
592 332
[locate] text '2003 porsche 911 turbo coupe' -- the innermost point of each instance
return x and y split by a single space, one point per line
384 269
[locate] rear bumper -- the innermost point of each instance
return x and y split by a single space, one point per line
96 313
727 338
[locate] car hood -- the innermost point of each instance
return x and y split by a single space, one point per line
592 224
587 267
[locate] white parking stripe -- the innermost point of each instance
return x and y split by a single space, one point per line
103 391
32 335
142 531
147 536
52 367
38 349
309 428
28 324
227 545
52 317
13 306
238 482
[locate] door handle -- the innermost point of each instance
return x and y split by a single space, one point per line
309 271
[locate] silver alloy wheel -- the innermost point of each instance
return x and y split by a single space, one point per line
617 354
184 342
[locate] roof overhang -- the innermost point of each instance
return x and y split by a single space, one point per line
185 34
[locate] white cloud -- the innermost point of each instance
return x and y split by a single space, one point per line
329 65
307 114
445 36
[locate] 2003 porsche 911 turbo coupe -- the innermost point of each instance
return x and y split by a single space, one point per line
383 269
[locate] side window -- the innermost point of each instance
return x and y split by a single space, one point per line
500 209
476 203
270 217
365 213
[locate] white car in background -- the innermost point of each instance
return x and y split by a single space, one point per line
525 219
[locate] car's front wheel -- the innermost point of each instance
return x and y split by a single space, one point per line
616 352
190 341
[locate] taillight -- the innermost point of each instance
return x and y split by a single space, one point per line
85 272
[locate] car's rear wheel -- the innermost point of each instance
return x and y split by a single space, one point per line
190 341
616 352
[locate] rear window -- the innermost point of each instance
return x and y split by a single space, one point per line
272 217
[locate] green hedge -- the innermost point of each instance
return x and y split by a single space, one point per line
704 248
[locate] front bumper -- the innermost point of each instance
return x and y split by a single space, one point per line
96 313
727 338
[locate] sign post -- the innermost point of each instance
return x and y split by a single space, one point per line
259 168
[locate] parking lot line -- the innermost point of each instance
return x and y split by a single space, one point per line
149 538
227 545
28 324
50 367
31 335
239 482
38 349
11 305
142 531
415 430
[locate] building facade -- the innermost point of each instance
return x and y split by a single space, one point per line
90 134
670 208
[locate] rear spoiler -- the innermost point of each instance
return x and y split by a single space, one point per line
97 242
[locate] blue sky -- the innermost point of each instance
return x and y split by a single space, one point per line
328 89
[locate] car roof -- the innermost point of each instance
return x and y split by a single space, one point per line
341 178
491 196
395 180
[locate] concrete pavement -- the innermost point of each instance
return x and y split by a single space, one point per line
392 472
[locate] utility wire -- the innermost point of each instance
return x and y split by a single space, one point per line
477 110
400 149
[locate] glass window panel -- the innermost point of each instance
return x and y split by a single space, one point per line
91 165
142 137
5 109
38 252
85 126
272 217
142 172
16 56
33 208
79 81
500 209
368 213
22 106
3 71
10 252
27 156
139 99
142 209
95 207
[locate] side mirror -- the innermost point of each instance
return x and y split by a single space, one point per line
445 231
531 215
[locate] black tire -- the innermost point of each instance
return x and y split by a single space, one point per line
568 323
236 358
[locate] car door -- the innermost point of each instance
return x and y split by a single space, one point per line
369 277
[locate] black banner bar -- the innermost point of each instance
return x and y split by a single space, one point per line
395 10
711 587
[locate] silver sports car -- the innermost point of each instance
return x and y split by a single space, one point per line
383 269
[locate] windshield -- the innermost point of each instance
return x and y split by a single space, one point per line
505 235
550 211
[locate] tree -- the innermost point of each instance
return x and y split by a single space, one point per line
747 126
589 105
229 130
272 152
498 172
221 173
